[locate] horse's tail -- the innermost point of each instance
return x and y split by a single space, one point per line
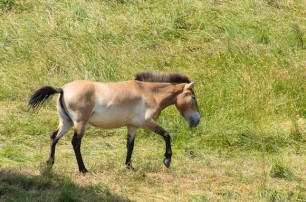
43 94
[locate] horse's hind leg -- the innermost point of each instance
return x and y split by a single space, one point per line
64 126
76 142
130 145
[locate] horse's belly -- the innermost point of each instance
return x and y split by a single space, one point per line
115 113
109 119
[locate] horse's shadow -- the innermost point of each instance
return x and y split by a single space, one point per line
16 186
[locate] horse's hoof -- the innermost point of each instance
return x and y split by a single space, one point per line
129 165
50 162
84 171
167 162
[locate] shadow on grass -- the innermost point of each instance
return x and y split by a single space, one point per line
15 186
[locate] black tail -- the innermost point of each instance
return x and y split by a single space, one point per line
41 95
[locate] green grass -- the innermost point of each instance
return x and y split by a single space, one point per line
248 61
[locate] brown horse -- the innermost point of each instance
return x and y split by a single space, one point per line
135 104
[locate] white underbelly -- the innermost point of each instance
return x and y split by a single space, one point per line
108 119
117 116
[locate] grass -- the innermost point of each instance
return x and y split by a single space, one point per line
17 186
248 61
280 171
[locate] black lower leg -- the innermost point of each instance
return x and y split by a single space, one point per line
54 140
130 147
168 152
76 142
168 147
166 136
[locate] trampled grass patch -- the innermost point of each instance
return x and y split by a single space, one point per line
246 57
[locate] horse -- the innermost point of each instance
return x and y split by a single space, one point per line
133 104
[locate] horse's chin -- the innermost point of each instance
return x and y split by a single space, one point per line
192 125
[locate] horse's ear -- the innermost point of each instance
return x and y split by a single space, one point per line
189 85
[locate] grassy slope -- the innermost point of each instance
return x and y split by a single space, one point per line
248 58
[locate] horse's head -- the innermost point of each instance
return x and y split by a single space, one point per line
186 103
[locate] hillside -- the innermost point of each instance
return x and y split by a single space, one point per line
246 57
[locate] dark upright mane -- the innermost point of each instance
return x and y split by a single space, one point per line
162 78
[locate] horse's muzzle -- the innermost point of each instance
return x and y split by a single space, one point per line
194 121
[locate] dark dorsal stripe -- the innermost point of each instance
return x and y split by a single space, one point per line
162 78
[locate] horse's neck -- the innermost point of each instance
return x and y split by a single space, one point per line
166 93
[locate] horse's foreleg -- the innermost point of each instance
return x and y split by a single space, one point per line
76 142
154 127
130 145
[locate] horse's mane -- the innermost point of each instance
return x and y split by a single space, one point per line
162 78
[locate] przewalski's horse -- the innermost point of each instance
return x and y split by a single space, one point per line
135 104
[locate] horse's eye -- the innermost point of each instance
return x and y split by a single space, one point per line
193 97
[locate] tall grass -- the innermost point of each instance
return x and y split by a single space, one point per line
248 61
